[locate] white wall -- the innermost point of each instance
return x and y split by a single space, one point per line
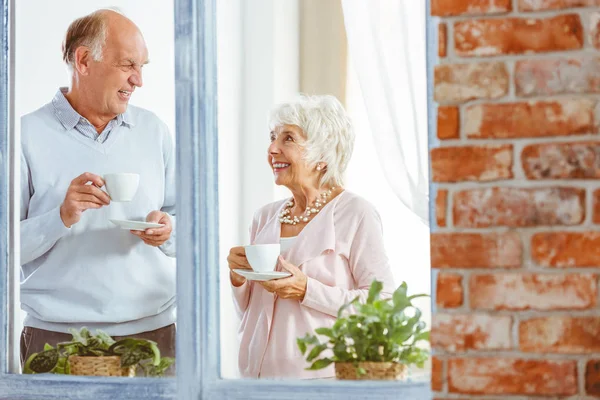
39 33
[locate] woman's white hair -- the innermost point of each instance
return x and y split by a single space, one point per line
328 129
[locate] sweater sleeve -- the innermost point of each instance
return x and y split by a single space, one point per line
169 247
40 233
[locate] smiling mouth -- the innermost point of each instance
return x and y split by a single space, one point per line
125 93
280 166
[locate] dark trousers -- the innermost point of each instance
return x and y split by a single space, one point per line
33 340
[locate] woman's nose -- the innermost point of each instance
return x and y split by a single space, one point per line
273 149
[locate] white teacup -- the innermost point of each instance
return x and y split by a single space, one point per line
121 186
263 257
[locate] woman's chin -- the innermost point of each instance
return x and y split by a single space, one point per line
279 181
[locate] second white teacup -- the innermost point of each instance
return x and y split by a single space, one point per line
263 257
121 186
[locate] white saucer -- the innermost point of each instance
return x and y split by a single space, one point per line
134 225
261 276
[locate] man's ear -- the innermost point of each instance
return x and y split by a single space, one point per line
82 59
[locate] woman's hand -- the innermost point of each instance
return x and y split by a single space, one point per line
292 287
237 260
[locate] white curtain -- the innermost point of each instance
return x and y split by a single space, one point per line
387 47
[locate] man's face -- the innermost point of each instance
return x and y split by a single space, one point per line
112 80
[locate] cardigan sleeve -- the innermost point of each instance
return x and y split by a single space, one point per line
368 261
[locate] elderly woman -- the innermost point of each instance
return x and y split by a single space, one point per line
331 242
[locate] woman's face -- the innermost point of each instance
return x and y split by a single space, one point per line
285 156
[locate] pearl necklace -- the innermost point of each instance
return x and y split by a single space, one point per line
286 218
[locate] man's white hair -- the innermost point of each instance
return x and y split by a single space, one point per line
328 129
90 31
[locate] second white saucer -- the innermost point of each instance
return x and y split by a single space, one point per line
134 225
261 276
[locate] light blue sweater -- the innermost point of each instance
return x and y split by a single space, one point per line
95 274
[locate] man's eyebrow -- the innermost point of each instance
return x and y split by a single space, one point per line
135 63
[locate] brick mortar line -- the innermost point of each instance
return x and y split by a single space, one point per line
598 297
581 376
501 230
590 52
462 122
526 260
532 229
517 167
449 40
595 96
455 310
522 270
585 18
565 139
452 396
589 207
515 13
517 101
525 315
535 229
449 207
466 290
513 183
509 354
529 264
590 184
580 228
512 87
461 309
515 322
519 183
515 7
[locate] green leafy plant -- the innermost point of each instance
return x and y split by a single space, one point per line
140 353
381 330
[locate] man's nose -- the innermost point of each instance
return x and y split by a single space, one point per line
136 79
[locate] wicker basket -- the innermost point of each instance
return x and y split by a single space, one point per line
380 371
99 366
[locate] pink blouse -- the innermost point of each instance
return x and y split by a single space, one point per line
341 251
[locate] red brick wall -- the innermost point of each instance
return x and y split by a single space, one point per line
516 238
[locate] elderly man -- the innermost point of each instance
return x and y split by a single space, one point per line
78 269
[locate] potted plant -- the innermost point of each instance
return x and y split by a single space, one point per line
377 341
99 355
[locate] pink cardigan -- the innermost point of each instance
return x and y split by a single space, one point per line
341 251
